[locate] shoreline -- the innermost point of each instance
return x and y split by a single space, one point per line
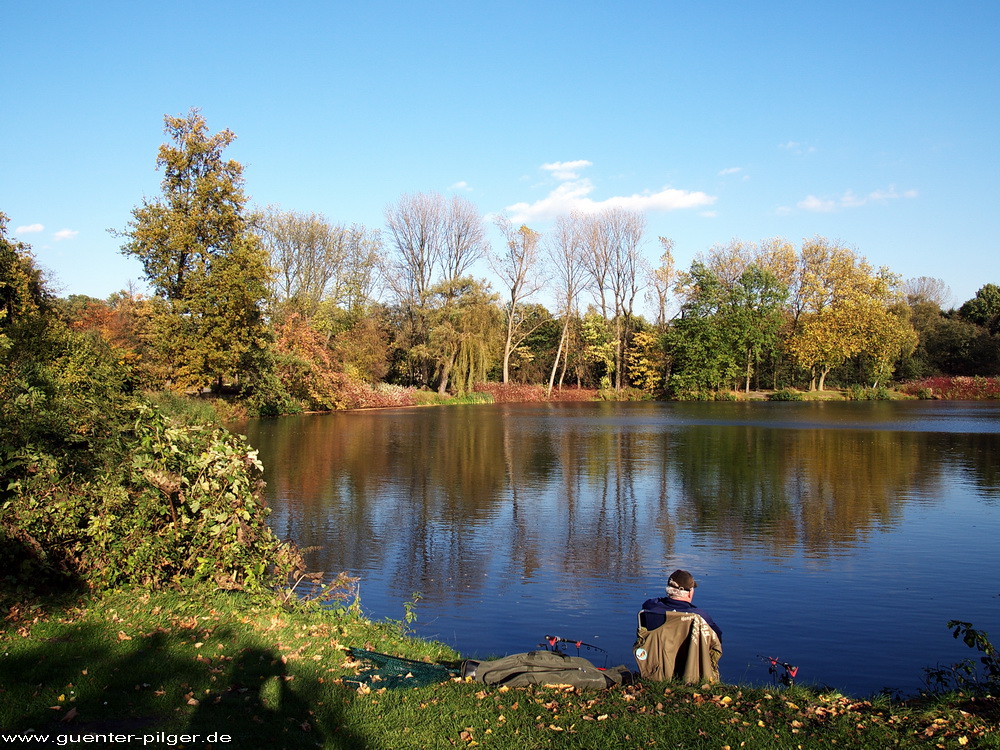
202 661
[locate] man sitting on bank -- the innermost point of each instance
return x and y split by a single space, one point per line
676 638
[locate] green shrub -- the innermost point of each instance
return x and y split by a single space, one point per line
861 393
186 504
966 675
785 394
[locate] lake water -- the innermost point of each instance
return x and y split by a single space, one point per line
840 537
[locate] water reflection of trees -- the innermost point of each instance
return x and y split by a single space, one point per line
442 500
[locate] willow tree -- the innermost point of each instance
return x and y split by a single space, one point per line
433 241
464 324
201 258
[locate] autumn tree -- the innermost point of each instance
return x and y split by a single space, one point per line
752 315
600 347
124 320
63 393
316 261
698 344
611 241
948 343
840 304
661 281
416 231
984 308
23 296
565 252
517 266
433 241
201 257
926 289
627 229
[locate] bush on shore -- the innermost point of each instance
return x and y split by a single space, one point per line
954 388
522 393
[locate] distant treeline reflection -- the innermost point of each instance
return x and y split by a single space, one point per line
447 496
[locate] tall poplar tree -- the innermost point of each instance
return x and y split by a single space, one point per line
202 259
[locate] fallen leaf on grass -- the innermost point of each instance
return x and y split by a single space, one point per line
70 715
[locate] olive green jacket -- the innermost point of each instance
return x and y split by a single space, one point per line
684 647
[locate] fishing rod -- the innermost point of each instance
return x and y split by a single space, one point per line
552 643
788 673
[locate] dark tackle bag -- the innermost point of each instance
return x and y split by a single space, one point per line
544 668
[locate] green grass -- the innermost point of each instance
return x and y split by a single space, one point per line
433 398
186 409
198 663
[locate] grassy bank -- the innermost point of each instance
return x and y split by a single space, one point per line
199 663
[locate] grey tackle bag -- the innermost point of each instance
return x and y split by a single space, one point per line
545 668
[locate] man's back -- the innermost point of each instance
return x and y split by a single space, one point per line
684 646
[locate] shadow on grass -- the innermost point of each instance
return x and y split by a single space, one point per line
78 678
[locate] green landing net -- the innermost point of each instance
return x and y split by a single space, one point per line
381 670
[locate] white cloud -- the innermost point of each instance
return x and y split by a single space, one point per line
850 200
573 195
65 234
812 203
566 170
797 148
730 170
29 228
461 185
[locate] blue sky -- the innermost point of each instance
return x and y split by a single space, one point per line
873 123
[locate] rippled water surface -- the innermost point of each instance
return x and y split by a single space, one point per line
837 536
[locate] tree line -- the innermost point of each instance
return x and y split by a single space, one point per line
293 311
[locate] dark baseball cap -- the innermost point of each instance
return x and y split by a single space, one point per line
681 579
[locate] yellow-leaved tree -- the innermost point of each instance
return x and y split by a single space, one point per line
841 307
